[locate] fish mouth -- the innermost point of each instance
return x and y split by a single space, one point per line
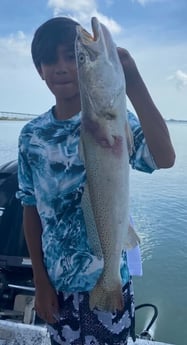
95 28
85 36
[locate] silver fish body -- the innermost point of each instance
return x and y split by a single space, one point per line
104 142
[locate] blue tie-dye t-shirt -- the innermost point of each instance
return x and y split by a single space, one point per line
52 177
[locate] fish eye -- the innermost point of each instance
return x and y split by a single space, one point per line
81 58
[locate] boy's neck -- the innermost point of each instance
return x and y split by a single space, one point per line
66 109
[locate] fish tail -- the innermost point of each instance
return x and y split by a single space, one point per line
105 299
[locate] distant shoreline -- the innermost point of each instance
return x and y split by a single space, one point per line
176 121
4 118
30 117
14 116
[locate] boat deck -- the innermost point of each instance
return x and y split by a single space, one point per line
146 342
12 333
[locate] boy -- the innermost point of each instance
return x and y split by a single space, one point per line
51 183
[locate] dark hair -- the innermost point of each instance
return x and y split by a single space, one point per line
47 38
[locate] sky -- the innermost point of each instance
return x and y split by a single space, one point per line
153 31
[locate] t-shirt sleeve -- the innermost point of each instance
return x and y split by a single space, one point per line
141 158
25 181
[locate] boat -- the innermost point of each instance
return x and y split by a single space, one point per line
19 324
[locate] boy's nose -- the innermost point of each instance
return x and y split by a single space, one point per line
61 66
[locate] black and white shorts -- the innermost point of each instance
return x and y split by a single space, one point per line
78 325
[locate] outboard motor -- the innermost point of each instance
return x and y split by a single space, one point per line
13 248
15 265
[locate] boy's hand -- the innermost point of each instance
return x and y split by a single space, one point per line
130 69
46 303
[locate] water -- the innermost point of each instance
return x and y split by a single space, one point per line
159 209
9 132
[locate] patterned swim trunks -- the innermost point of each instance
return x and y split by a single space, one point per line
78 325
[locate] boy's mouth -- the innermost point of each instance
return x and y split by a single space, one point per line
62 82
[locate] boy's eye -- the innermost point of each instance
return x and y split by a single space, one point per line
50 59
71 55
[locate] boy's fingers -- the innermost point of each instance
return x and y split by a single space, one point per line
49 314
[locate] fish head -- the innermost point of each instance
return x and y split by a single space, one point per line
100 74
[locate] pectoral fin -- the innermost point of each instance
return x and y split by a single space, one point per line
132 239
130 140
81 150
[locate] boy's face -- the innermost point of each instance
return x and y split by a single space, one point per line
61 75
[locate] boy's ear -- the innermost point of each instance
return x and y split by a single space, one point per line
39 69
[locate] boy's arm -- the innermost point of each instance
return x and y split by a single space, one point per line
153 125
140 157
46 302
33 231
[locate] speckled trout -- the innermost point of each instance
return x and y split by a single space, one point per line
105 142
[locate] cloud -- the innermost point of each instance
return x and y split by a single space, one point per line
82 11
146 2
14 49
72 6
109 2
17 41
180 79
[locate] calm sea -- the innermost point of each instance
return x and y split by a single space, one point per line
159 210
